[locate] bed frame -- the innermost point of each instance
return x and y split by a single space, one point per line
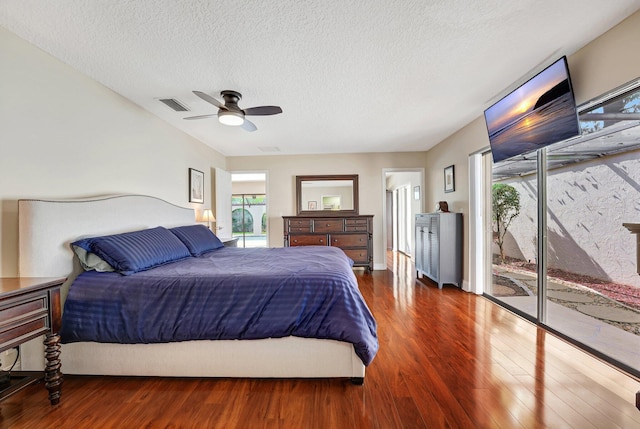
45 230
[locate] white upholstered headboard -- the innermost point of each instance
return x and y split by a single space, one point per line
47 227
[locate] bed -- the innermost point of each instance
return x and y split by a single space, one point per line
46 229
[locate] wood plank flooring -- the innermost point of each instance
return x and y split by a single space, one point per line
447 359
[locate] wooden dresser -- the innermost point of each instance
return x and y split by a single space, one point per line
353 234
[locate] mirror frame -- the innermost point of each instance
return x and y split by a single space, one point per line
302 179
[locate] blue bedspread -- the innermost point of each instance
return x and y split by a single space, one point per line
230 293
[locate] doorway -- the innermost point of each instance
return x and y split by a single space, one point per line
403 199
249 209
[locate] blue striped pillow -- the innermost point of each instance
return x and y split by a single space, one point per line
136 251
198 238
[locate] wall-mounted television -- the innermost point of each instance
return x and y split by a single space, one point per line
540 112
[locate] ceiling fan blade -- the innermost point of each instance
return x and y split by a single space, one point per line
210 99
247 125
263 110
200 116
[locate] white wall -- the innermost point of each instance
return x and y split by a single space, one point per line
64 135
282 172
587 205
250 188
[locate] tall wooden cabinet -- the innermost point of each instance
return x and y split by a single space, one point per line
439 247
353 234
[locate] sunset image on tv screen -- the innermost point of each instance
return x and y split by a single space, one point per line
540 112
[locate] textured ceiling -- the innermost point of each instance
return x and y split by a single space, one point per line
350 76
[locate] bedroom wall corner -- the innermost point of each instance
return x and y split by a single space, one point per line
283 169
66 136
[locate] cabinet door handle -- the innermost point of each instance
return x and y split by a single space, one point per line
295 241
321 240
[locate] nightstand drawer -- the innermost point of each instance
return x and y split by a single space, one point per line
23 332
21 309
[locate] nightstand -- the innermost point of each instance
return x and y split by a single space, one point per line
29 308
229 241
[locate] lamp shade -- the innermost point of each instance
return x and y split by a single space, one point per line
207 216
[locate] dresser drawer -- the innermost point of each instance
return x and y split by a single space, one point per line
307 240
355 228
299 229
350 240
299 224
356 225
328 225
356 221
359 256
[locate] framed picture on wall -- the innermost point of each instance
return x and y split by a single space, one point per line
449 179
313 205
196 186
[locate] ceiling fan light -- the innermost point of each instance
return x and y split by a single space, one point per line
230 118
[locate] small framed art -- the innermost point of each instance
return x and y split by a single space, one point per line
449 179
196 186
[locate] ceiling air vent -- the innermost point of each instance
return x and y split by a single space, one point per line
268 148
174 104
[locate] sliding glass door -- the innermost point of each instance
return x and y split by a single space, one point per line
593 188
249 219
563 253
514 229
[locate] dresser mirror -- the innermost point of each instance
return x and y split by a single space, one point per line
329 195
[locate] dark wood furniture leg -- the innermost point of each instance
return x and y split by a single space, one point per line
52 376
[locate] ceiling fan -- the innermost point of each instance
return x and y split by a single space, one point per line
230 114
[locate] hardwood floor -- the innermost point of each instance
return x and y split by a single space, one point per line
447 359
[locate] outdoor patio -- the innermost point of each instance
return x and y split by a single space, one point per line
582 313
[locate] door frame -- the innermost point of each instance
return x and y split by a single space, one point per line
385 212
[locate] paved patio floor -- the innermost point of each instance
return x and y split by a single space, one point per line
575 313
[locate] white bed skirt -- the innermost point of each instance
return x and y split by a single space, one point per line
269 358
